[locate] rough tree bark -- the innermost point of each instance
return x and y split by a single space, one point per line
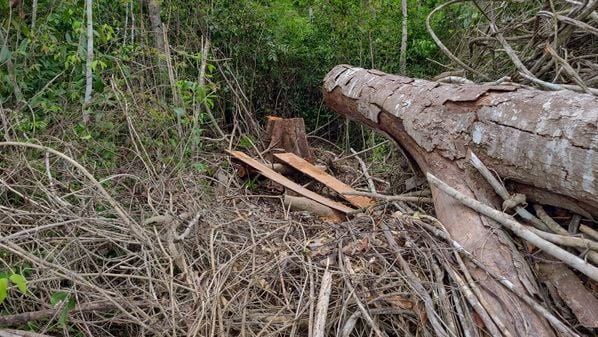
33 13
547 140
153 9
288 134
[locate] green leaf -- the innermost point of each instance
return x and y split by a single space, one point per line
200 167
63 317
58 297
3 289
4 54
247 141
71 304
20 281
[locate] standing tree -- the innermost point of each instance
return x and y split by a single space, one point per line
33 13
403 53
153 9
88 70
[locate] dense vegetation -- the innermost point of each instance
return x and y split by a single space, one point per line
267 57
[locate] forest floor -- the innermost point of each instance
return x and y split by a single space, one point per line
212 254
151 250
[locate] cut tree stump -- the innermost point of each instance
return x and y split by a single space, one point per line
546 140
289 135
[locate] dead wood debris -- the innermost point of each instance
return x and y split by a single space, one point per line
548 44
243 265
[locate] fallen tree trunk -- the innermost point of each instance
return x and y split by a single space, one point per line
547 140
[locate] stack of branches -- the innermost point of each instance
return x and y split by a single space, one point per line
159 260
550 44
162 258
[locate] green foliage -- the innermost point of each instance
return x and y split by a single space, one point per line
279 51
283 48
201 167
3 289
247 142
20 282
251 183
15 278
67 303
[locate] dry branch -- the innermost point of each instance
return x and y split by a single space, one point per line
510 37
441 232
319 329
504 219
415 283
22 318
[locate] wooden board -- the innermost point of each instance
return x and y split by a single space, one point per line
318 174
278 178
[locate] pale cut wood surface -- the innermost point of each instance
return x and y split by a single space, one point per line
318 174
284 181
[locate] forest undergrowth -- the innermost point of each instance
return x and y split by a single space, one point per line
187 253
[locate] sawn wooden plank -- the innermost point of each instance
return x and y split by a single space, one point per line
318 174
280 179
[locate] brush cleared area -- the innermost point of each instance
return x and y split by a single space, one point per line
177 256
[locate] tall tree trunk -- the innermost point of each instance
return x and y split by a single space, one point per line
165 69
545 139
33 14
89 61
153 9
403 53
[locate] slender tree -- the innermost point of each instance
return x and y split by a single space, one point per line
403 53
33 13
153 9
88 70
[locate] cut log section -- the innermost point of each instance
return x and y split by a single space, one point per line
329 181
305 204
280 179
547 140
